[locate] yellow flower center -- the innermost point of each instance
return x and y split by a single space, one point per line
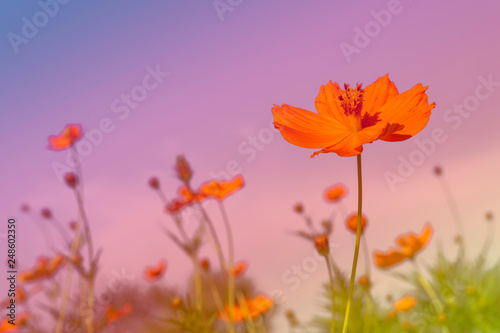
351 101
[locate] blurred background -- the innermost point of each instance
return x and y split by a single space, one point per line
153 79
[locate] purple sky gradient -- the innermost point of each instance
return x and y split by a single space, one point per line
224 77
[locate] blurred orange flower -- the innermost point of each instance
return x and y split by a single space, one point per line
409 245
221 189
352 222
43 268
185 198
364 281
153 273
205 264
405 304
113 314
350 117
68 136
239 268
335 193
252 308
21 320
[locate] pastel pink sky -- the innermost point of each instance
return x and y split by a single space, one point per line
224 77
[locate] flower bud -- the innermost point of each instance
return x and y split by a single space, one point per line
298 208
154 183
321 243
183 170
47 213
205 264
438 171
71 179
364 281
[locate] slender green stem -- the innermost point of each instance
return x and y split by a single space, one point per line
67 284
92 264
330 275
356 249
455 212
366 254
213 233
428 289
231 287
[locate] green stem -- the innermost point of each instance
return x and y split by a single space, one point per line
330 275
428 289
455 212
231 287
213 233
356 249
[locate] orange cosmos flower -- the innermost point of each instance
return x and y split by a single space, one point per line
405 304
350 117
352 222
153 273
43 268
409 245
252 308
68 136
113 314
239 268
335 193
221 189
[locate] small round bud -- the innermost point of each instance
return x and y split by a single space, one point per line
438 171
489 216
71 179
46 213
298 208
364 281
205 264
154 183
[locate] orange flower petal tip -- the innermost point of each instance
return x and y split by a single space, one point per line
153 273
409 245
68 136
348 118
221 189
352 222
250 309
405 304
239 268
335 193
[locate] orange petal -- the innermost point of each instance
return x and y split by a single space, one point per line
68 136
405 304
377 94
391 258
308 129
328 104
352 144
410 109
